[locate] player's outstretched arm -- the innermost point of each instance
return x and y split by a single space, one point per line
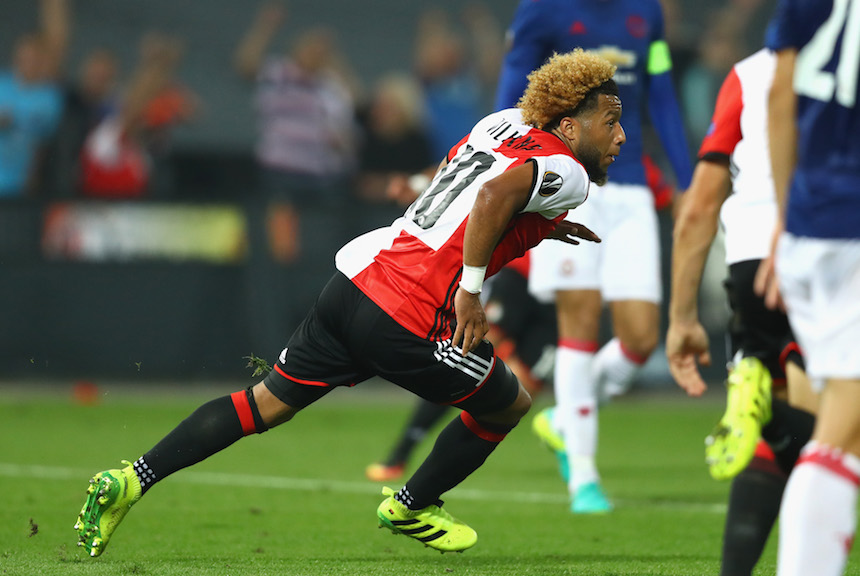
695 228
497 202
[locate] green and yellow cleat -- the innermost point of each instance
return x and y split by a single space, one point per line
542 426
109 497
731 445
431 525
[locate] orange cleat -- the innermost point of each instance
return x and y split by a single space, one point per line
383 472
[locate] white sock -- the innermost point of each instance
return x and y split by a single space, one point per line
576 404
614 369
818 516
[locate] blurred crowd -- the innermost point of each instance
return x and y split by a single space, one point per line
99 130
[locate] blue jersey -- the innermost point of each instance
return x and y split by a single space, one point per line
629 33
824 199
32 112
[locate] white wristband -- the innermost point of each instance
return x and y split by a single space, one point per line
473 278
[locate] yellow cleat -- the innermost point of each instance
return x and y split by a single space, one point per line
543 429
110 495
431 525
731 445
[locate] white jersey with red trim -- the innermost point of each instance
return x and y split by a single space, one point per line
411 269
739 130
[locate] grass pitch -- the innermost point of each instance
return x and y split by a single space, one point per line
294 501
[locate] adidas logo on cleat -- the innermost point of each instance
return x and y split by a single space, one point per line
413 527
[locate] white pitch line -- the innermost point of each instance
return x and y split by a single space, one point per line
343 487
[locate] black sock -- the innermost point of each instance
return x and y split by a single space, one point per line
753 507
211 428
425 416
461 448
787 433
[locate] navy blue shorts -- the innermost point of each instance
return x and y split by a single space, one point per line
346 339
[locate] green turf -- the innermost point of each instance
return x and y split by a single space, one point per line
294 501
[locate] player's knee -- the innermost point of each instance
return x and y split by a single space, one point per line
271 409
523 403
640 346
510 415
518 408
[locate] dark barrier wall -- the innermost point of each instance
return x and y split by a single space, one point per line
158 319
154 318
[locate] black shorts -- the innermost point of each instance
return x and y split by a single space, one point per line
754 329
529 323
346 339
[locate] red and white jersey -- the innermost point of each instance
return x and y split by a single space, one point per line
113 165
411 269
739 130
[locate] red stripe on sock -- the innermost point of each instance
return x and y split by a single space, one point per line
243 410
577 344
632 356
479 430
764 460
830 460
762 450
789 348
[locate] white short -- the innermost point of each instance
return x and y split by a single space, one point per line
624 266
820 284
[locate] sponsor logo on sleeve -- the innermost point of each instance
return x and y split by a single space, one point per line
551 184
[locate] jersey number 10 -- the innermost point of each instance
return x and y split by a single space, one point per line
455 177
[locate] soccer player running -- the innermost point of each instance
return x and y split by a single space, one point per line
405 305
624 270
732 185
523 333
814 120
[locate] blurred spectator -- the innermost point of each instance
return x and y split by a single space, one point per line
31 100
115 162
395 140
306 122
88 99
174 103
171 105
458 82
306 113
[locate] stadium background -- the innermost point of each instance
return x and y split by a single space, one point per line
180 308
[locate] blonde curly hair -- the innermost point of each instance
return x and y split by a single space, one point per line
561 84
